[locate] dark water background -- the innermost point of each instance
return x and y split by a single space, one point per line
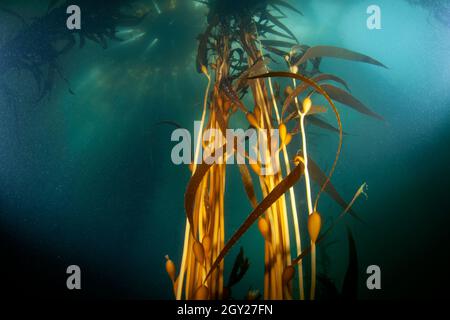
87 179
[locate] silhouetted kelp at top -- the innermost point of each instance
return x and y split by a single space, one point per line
170 30
39 42
234 53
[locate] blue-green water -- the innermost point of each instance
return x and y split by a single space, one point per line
87 178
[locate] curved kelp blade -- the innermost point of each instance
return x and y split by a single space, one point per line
276 51
350 285
248 184
202 51
347 99
304 86
256 68
280 25
265 204
271 30
189 196
320 178
320 90
200 172
324 234
336 52
316 121
281 13
327 76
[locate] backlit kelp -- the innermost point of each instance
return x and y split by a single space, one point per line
235 52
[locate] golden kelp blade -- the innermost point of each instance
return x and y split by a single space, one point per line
257 68
336 52
304 86
265 204
200 172
189 196
248 184
319 89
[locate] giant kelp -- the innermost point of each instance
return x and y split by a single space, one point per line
235 53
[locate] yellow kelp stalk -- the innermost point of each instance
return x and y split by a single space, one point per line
201 274
204 238
277 241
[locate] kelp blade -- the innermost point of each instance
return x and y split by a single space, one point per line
316 121
304 86
248 184
319 89
347 99
189 196
320 178
336 52
265 204
286 5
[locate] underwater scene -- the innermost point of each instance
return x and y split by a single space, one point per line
225 149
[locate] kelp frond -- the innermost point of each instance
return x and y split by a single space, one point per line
237 48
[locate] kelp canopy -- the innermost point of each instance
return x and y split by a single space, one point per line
21 52
235 53
233 9
170 30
